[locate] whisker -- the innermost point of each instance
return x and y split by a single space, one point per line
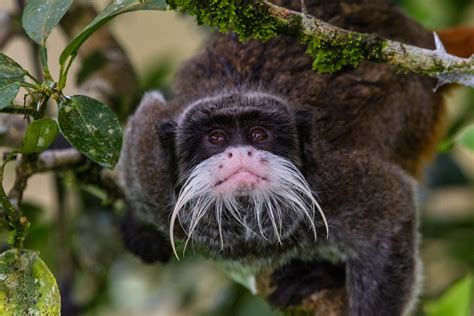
231 206
258 211
272 219
219 222
274 202
202 212
295 178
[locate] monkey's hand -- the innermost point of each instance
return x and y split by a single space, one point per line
144 240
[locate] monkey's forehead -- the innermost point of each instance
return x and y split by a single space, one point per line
232 103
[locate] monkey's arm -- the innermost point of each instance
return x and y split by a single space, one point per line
370 209
145 169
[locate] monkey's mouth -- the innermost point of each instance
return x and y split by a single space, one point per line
240 181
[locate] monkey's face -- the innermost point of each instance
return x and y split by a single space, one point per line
240 185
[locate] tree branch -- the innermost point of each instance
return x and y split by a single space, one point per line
435 63
48 160
331 47
58 159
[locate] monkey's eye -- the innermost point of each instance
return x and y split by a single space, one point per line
258 134
217 137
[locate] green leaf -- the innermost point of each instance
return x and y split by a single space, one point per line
114 9
456 301
11 77
8 90
466 137
27 287
92 128
39 135
41 16
10 69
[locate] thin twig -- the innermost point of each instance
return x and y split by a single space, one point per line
15 109
47 161
34 53
58 159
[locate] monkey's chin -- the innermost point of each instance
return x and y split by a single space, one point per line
243 191
236 242
243 232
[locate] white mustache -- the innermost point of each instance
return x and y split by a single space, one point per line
287 188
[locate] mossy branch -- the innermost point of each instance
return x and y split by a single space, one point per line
331 47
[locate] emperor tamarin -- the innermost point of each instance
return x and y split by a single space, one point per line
260 160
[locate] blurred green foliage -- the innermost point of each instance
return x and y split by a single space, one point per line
457 301
437 13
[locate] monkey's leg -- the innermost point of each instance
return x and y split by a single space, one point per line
375 226
381 280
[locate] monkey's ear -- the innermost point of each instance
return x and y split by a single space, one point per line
167 132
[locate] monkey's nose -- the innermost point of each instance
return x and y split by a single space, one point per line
239 152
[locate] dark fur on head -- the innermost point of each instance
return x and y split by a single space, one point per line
236 113
355 138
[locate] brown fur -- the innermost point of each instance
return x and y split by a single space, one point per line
368 129
350 107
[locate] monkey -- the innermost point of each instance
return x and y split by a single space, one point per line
259 160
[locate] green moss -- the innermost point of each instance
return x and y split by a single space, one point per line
251 20
437 68
294 26
331 55
247 18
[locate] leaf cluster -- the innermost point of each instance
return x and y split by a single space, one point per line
26 284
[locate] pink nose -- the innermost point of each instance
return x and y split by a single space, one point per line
239 153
